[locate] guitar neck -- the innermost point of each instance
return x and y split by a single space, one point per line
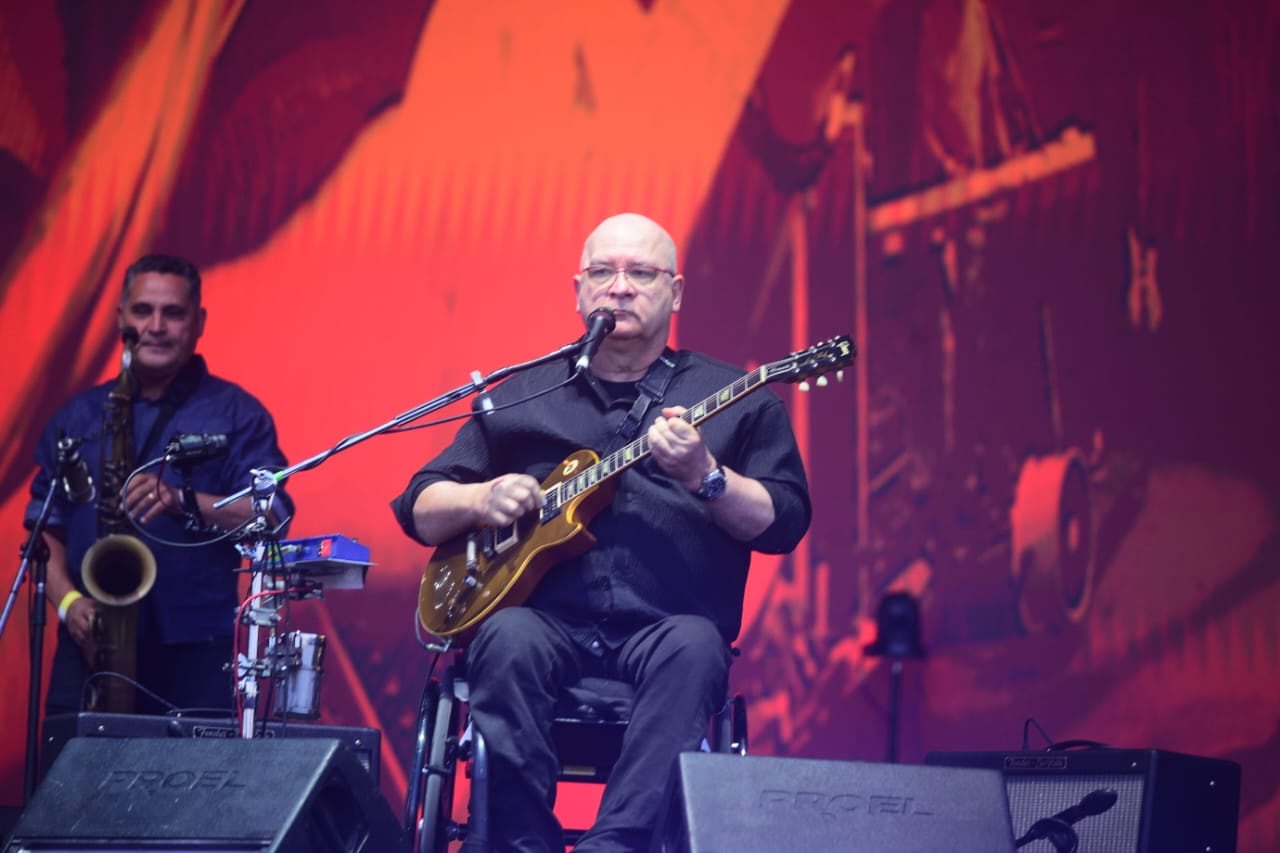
624 457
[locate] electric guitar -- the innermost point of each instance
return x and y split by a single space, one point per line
487 568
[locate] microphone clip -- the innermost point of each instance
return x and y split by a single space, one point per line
72 471
186 449
193 518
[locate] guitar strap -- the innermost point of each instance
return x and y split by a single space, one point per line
651 389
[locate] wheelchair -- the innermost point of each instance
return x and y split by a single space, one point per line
587 730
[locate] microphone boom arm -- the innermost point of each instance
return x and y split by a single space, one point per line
477 385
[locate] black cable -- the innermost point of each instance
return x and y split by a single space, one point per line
88 682
1026 736
146 534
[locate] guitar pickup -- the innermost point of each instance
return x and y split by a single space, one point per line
503 538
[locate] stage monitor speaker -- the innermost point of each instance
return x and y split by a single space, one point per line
1165 801
364 743
755 804
148 794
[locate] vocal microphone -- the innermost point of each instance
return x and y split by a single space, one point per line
186 448
600 323
77 482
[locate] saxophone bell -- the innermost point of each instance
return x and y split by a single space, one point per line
118 570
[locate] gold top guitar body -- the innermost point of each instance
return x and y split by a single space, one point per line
487 568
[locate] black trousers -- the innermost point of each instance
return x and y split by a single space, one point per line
188 675
518 665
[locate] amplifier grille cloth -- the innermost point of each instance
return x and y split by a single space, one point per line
1115 830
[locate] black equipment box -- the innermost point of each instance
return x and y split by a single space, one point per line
364 743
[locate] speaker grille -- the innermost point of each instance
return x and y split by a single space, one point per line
1034 797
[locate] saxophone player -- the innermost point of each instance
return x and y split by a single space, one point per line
183 625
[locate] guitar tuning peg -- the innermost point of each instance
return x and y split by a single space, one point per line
822 382
804 386
840 375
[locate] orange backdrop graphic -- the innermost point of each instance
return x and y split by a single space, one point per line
1046 225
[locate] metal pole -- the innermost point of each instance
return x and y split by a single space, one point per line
861 443
895 700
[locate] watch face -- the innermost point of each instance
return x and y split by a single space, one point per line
713 485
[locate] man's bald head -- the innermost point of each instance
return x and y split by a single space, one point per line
632 230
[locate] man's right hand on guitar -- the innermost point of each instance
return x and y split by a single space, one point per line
508 498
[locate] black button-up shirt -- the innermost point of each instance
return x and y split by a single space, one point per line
657 552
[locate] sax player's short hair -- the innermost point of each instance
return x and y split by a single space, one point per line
168 265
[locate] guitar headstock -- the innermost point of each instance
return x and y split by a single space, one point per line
816 361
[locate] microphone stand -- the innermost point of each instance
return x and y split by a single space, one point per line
35 558
248 667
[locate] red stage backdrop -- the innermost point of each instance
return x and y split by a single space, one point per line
1050 227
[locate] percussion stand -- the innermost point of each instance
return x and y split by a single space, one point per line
262 608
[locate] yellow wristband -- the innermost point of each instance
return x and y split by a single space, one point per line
65 604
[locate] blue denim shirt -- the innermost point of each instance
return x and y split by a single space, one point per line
195 596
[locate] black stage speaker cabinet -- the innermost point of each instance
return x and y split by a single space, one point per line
147 794
1165 801
364 743
755 804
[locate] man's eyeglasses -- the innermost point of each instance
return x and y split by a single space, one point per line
640 275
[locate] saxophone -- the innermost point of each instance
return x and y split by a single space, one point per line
119 569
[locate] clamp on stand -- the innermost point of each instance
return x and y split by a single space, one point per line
261 609
194 520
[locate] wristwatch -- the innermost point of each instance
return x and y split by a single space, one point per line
713 485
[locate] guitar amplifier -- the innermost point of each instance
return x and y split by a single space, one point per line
364 743
1165 801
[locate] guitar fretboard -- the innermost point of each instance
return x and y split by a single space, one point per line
624 457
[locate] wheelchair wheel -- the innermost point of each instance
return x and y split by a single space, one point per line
430 796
